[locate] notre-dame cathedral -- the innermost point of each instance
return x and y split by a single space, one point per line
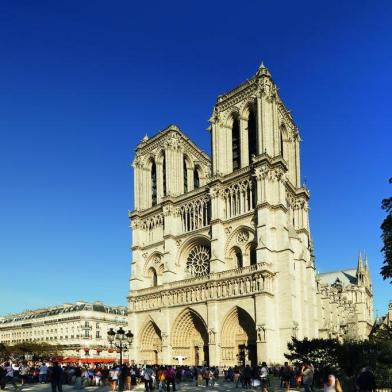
222 266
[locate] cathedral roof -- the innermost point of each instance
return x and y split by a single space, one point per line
158 140
345 277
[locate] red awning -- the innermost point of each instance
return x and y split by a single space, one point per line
91 360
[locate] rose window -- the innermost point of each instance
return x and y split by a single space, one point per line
198 262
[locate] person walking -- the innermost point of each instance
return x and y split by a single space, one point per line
9 375
264 377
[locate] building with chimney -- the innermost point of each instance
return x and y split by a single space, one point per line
77 330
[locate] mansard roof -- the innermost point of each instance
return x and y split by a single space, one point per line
64 309
148 144
345 277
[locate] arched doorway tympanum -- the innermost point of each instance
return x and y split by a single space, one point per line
150 344
189 338
238 338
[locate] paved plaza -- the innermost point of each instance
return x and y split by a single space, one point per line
220 386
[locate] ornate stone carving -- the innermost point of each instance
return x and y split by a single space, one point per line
211 336
228 230
198 261
243 237
261 172
173 141
260 329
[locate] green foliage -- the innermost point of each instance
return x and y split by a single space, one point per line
321 353
41 350
386 236
347 358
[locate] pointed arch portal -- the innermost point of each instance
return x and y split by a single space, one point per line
150 343
190 338
238 338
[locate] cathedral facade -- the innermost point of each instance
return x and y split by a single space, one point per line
222 265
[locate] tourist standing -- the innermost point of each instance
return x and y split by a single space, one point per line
2 377
332 384
24 371
43 373
247 375
366 381
56 377
170 376
285 374
307 374
113 376
148 374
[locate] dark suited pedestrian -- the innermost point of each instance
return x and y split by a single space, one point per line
56 377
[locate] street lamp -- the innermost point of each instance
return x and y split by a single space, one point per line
118 339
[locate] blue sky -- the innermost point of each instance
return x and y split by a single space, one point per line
83 81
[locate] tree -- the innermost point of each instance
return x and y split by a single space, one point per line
386 236
348 357
321 353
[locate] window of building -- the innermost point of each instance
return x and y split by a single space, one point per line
238 256
253 259
154 277
153 184
164 173
196 179
252 135
235 143
97 334
185 177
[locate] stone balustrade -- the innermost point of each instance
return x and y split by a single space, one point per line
243 281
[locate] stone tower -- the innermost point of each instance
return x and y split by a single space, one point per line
222 267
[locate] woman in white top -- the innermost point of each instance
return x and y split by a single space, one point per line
332 384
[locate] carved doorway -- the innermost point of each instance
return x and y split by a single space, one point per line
239 338
189 336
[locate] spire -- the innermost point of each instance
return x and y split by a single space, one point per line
263 71
360 263
366 263
145 138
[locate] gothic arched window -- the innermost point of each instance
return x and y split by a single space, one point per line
153 184
238 258
252 135
185 177
253 259
196 179
235 144
164 174
281 144
154 277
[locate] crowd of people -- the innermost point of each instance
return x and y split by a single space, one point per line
166 378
